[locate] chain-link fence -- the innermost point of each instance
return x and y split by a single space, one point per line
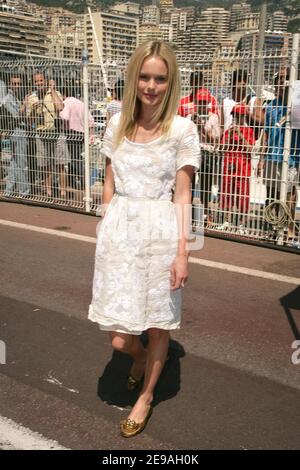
53 116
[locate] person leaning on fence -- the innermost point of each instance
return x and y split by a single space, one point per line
73 117
254 106
237 143
43 105
12 122
236 139
270 163
141 261
115 105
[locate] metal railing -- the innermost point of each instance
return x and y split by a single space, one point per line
248 182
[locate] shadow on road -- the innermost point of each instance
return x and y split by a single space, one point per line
291 302
112 387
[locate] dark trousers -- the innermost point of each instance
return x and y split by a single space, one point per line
202 190
75 141
206 179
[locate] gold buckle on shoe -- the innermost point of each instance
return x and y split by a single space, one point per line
130 428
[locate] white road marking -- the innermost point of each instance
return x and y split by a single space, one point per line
13 436
202 262
54 381
246 271
47 231
115 406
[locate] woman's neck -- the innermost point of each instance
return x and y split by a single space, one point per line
146 115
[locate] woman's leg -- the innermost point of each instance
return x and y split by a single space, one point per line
157 351
132 345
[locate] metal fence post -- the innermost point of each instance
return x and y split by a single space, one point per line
288 128
87 199
232 209
261 44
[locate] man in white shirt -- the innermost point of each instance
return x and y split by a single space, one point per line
73 119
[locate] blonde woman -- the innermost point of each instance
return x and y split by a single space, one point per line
141 261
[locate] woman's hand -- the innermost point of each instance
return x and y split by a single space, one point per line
179 272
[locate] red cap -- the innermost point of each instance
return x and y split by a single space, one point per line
203 95
239 109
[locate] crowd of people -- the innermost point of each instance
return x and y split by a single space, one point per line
45 127
233 132
241 136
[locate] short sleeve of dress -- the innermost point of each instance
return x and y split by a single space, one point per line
188 152
107 146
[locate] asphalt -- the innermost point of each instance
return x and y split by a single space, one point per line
229 382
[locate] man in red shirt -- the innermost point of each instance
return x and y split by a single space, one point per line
189 104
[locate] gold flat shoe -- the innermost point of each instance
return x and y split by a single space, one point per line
133 383
130 428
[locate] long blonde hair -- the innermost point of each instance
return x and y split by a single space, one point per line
131 104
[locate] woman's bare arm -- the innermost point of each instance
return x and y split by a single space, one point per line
108 187
182 199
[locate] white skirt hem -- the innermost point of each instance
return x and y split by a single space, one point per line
129 329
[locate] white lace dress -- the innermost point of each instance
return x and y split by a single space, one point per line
137 239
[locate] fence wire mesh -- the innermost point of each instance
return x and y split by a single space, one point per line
248 182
